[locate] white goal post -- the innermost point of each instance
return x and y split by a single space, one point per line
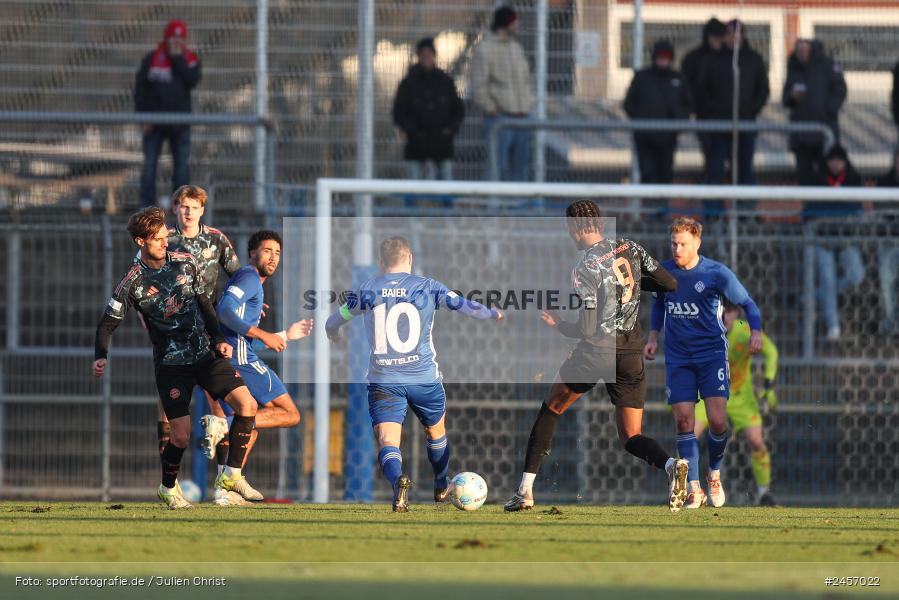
326 188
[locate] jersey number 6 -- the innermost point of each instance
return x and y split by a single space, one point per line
387 330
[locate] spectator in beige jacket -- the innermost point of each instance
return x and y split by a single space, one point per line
501 87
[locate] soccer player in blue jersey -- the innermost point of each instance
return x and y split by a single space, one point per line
696 363
398 311
239 312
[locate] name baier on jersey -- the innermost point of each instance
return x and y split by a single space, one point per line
692 315
398 311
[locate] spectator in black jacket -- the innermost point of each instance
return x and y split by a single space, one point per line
891 179
894 105
814 92
658 92
712 40
429 111
163 84
716 85
836 171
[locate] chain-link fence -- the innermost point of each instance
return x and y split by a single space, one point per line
82 56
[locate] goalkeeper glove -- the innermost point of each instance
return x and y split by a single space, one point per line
770 396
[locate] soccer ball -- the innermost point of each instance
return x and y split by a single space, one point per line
190 490
468 491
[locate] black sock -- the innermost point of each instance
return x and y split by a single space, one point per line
541 439
163 430
648 449
239 439
171 462
221 452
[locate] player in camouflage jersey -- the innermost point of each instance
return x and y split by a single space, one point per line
607 279
212 250
167 289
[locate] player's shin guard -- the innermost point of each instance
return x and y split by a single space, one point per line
391 460
239 440
688 448
716 442
439 455
163 431
541 439
647 449
761 468
171 463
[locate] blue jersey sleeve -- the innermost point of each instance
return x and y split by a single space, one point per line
733 290
241 287
443 296
350 306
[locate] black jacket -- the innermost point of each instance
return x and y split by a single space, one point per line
825 92
716 82
167 90
895 97
835 209
889 180
657 94
429 111
691 67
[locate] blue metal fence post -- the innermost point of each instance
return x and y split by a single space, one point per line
359 444
198 462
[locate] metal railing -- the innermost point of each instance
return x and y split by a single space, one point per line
673 125
262 123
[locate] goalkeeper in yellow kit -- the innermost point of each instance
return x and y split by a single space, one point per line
743 406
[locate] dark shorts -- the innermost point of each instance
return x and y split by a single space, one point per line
582 371
176 383
387 402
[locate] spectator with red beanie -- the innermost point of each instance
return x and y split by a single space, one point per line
164 82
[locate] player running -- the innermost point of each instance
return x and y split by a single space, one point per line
212 250
608 279
743 407
398 309
239 311
167 290
696 350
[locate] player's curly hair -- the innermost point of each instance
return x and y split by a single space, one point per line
393 250
260 236
190 192
146 222
682 224
584 215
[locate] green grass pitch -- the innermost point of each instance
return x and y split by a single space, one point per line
351 551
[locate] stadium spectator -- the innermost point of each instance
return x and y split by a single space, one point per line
429 111
894 105
163 84
501 88
715 99
891 179
658 92
836 171
814 91
888 257
712 40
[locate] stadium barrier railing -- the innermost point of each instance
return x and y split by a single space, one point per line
647 125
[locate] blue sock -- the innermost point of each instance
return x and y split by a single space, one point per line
439 455
688 448
716 443
391 463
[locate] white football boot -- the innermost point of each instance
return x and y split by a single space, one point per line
214 430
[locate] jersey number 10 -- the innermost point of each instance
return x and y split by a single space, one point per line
387 330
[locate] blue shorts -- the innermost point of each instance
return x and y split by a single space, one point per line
689 383
263 383
387 403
